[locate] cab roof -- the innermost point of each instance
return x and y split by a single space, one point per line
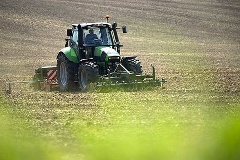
98 24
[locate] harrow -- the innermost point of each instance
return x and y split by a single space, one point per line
45 78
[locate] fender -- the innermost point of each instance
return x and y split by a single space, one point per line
70 54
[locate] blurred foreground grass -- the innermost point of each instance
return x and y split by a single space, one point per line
19 139
155 126
159 124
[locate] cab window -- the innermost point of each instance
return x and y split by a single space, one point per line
75 37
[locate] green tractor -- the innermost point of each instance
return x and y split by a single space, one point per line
92 56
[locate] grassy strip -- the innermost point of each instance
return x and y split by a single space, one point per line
151 125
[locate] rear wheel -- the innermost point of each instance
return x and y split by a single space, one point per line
65 73
87 74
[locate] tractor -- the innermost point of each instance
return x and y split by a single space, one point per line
91 57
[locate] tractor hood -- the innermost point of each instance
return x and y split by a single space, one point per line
105 52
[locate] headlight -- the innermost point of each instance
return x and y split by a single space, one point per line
116 58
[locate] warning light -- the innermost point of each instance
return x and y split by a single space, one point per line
107 17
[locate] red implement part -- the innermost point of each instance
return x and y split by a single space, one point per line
51 79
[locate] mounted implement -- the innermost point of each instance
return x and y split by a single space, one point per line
91 57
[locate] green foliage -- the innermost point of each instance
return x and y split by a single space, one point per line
18 139
157 124
150 125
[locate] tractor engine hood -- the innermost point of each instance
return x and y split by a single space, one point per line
104 53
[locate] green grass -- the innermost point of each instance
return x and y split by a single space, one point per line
19 139
158 124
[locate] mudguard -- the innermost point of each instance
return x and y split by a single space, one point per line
70 54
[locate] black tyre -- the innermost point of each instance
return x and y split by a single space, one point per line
133 65
87 73
65 73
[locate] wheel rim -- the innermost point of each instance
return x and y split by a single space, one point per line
84 80
63 74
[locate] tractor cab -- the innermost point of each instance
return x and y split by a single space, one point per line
86 38
97 35
95 41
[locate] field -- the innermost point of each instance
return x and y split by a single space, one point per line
193 44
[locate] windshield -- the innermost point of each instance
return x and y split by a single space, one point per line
97 36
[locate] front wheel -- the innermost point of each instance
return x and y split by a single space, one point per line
87 74
133 65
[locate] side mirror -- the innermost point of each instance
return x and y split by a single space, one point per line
69 32
124 29
114 25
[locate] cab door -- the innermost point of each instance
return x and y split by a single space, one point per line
74 42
